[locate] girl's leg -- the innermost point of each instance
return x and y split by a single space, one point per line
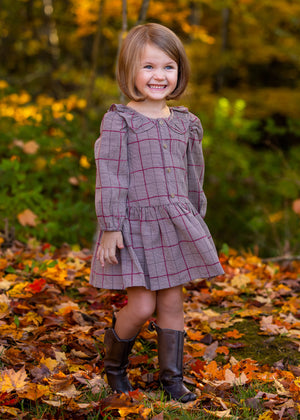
120 339
140 307
170 308
170 336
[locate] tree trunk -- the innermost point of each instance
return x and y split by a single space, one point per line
52 34
95 56
195 13
143 12
221 75
122 35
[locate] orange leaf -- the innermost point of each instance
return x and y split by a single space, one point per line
3 263
223 350
233 334
27 218
195 336
33 391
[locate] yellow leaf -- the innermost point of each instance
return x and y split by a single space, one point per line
40 163
128 410
268 415
27 218
11 380
33 318
33 391
240 281
3 84
276 217
84 162
18 290
11 411
225 414
50 363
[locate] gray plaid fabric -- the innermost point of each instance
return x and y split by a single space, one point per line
149 186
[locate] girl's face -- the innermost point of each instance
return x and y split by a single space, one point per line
157 74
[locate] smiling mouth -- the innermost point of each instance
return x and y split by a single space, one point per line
158 87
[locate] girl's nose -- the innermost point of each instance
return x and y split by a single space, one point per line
159 74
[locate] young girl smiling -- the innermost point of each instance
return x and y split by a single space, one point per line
150 205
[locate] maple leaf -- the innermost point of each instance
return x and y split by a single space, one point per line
241 280
51 364
3 263
225 414
267 325
233 334
32 318
11 411
27 218
222 350
211 351
36 286
11 380
33 391
30 147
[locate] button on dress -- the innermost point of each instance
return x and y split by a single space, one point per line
149 186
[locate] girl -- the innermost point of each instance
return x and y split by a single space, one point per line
150 205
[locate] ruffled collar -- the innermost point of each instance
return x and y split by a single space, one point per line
177 121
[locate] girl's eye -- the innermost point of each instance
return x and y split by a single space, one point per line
148 67
169 67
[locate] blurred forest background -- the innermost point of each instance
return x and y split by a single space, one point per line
57 80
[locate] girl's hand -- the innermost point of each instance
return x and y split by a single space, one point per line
107 249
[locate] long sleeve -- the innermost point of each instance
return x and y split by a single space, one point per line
195 167
112 175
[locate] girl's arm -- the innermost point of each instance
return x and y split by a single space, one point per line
112 175
196 166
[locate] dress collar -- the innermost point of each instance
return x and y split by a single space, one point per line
177 121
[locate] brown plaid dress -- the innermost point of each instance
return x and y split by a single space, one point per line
149 186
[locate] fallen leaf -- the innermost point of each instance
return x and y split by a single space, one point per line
233 334
11 380
225 414
296 206
211 351
27 218
30 147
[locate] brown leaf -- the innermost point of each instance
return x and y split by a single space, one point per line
296 206
31 147
159 416
27 218
210 352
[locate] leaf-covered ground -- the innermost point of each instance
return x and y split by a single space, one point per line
241 353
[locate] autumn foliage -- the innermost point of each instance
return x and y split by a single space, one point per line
53 322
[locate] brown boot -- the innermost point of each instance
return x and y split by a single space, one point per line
170 358
116 361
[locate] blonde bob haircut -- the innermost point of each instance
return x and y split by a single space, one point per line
131 52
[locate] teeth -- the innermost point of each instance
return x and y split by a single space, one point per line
156 86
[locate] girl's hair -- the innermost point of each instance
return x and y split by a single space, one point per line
131 51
